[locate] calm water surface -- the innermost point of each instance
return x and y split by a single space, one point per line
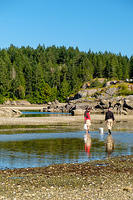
42 114
43 149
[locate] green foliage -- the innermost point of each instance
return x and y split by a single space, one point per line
96 83
2 99
131 67
20 92
45 74
124 91
64 90
123 86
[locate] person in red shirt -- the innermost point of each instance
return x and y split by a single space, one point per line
87 119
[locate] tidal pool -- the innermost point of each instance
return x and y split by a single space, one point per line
25 150
42 114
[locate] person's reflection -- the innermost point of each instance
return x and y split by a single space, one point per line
109 145
87 140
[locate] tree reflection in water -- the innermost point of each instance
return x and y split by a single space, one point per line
43 149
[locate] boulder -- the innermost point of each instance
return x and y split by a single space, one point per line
112 91
130 97
85 93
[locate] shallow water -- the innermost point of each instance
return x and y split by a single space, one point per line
42 114
43 149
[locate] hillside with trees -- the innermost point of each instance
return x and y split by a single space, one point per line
44 74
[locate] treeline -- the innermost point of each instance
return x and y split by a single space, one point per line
45 74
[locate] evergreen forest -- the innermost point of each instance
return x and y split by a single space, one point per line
45 74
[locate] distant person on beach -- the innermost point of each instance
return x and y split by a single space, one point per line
109 119
87 119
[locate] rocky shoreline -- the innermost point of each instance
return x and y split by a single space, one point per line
108 179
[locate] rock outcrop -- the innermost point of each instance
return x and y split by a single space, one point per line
78 106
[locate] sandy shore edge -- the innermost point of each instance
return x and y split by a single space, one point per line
58 120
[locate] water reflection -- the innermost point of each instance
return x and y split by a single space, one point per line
42 114
109 145
43 149
43 152
87 140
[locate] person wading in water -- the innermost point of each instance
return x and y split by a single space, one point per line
87 137
87 119
109 119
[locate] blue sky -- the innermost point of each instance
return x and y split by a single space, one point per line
98 25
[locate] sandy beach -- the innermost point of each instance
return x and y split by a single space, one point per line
56 120
122 122
59 119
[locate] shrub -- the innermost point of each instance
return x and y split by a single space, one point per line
124 91
96 83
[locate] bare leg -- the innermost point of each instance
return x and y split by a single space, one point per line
87 131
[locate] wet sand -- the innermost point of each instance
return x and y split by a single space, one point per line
63 123
53 120
56 120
